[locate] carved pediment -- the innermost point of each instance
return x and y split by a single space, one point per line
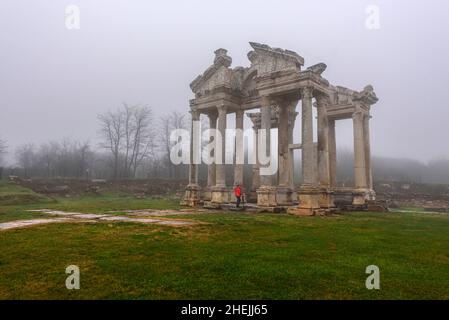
218 75
266 59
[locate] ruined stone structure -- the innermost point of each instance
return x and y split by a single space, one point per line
274 83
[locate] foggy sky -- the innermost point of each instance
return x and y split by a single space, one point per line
54 81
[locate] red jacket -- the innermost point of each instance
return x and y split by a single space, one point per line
238 191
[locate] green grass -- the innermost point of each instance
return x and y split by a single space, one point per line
231 256
12 194
228 256
16 200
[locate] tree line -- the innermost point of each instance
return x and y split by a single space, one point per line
136 144
133 144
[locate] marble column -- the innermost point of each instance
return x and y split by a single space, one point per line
220 166
194 145
283 141
220 193
192 195
359 151
291 126
366 136
284 192
308 163
265 110
326 198
332 154
256 171
308 194
211 181
323 144
239 151
266 194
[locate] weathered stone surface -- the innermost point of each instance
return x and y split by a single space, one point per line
71 217
275 82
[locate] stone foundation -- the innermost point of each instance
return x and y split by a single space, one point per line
220 195
284 196
192 197
266 196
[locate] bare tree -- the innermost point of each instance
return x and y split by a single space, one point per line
26 158
3 148
128 135
139 137
112 133
168 123
48 157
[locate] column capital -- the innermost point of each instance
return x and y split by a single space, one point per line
357 115
265 101
195 114
222 109
322 101
239 113
212 115
307 92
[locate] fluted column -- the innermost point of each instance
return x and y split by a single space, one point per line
256 169
239 152
366 135
265 110
220 167
291 126
359 151
194 145
283 141
211 174
308 163
332 154
323 144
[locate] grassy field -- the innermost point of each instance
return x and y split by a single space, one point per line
228 256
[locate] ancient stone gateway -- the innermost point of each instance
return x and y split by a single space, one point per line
275 83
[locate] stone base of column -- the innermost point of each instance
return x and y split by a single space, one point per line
220 194
284 196
326 199
251 197
371 195
309 201
206 194
266 196
192 196
361 196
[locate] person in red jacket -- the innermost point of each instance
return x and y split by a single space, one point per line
238 195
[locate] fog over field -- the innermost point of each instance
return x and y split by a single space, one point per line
55 81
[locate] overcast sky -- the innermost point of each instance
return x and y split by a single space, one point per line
54 81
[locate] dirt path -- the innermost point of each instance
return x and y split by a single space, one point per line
143 216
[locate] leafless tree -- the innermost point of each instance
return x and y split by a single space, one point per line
112 130
3 148
25 157
128 134
168 123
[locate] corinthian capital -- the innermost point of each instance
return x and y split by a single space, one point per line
195 114
307 93
222 109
